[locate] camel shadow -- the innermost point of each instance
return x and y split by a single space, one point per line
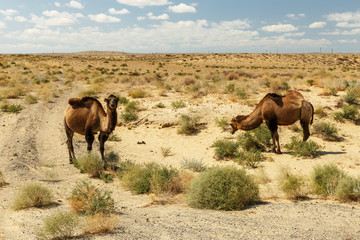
320 153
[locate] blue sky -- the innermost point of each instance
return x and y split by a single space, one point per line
172 26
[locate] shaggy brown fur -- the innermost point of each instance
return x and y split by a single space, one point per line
86 116
277 110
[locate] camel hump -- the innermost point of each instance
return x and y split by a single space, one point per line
80 102
273 95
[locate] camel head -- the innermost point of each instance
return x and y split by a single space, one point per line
235 123
112 102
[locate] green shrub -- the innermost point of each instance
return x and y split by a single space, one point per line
241 94
178 104
250 158
88 200
160 105
123 100
230 88
258 138
91 163
351 97
11 108
349 112
225 149
293 185
309 149
348 189
151 177
222 188
193 164
130 112
32 195
187 124
248 141
59 225
222 123
114 137
326 178
327 131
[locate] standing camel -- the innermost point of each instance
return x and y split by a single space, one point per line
86 116
277 110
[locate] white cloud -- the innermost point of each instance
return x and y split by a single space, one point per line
348 41
317 25
337 32
75 4
279 28
2 25
344 17
298 34
141 18
234 25
182 8
295 16
57 4
8 12
160 17
118 12
348 25
55 18
143 3
20 19
103 18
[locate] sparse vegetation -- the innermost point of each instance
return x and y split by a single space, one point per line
100 223
178 104
193 164
59 225
222 188
326 179
308 149
32 195
225 149
88 200
327 131
348 189
188 124
11 108
148 178
349 112
91 163
293 185
222 123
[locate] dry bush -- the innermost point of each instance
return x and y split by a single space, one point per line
293 185
88 200
137 93
232 76
91 164
181 182
32 195
100 223
60 225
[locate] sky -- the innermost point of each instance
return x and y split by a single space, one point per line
172 26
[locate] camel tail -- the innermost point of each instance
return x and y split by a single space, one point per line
312 114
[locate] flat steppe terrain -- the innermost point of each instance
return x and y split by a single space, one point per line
212 87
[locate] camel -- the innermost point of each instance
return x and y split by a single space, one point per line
86 116
277 110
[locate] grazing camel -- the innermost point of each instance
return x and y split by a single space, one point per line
86 116
277 110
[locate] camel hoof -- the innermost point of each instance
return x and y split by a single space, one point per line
278 152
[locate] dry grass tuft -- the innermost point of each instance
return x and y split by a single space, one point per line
100 223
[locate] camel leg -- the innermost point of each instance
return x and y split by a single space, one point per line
102 139
89 137
306 132
69 142
274 135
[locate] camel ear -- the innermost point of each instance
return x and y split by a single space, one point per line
106 100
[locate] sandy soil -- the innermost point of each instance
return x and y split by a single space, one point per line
33 148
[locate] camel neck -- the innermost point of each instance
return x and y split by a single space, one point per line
111 119
252 121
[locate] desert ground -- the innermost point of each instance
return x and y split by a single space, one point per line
210 86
